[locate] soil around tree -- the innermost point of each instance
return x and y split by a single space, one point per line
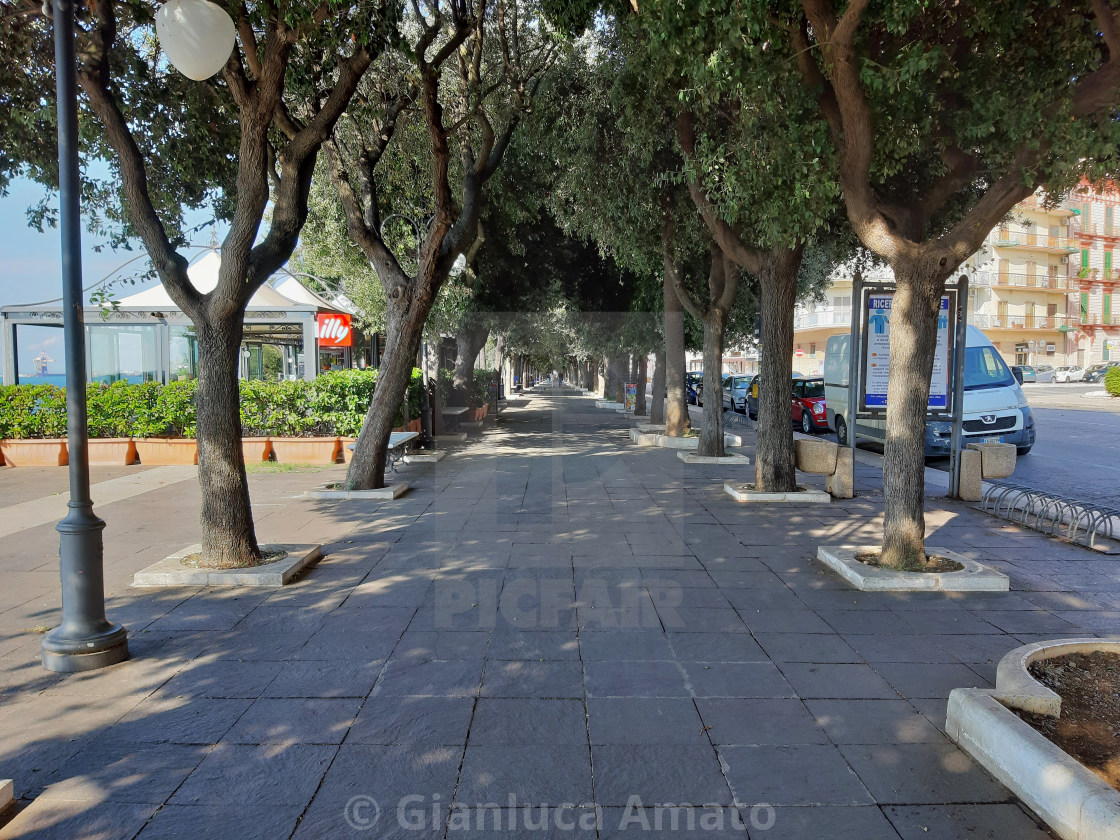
1088 727
269 554
933 564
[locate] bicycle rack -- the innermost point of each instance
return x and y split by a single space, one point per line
1071 519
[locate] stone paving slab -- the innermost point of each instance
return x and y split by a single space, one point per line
553 613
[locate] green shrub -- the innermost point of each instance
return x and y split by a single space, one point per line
333 404
32 411
1112 381
165 410
480 387
111 409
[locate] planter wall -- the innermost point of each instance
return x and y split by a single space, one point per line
255 449
167 451
347 453
308 450
35 452
112 452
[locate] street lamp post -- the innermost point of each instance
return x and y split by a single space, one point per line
85 639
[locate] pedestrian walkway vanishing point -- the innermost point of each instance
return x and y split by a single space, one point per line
555 634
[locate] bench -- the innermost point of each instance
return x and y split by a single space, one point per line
451 415
399 444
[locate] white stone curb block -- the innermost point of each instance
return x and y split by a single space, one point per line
171 572
382 494
425 457
7 794
1071 799
974 577
803 496
737 460
608 404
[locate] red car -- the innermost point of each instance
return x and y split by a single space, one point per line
808 404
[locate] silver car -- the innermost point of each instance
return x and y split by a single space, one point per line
735 393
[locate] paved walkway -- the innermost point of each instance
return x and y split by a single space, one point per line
551 615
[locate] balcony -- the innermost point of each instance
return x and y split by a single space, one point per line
1035 242
1061 323
823 317
1099 229
1026 281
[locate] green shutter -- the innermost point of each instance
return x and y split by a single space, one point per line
1085 260
1107 310
1084 307
1107 264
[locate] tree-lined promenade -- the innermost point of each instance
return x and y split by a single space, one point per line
579 184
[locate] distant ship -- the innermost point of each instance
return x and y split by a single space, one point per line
41 361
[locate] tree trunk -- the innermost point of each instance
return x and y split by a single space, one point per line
711 429
640 400
616 372
677 423
913 337
468 342
229 539
404 327
499 355
589 375
775 469
657 402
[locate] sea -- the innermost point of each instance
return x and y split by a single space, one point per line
60 379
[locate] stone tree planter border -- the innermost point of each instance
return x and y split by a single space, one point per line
1070 798
974 577
802 496
171 572
729 460
381 494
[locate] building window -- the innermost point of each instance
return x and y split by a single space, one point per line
1086 215
1084 307
1107 264
812 350
1084 259
131 353
1108 221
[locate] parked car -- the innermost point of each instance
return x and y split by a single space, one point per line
1097 373
995 407
797 407
1044 373
808 404
1069 373
1024 373
735 393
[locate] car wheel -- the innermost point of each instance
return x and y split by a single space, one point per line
807 423
1022 450
841 431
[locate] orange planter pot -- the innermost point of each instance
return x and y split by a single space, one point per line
112 452
308 450
256 449
35 452
476 414
167 451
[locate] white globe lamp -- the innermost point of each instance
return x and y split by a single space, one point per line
197 35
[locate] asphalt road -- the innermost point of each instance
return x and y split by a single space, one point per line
1077 452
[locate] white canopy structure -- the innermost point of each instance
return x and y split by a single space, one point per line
145 336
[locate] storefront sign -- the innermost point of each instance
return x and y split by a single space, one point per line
334 331
877 357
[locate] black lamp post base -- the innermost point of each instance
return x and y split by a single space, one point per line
71 656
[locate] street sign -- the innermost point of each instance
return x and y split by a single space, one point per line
800 352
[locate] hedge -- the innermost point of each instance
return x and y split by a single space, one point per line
1112 381
333 404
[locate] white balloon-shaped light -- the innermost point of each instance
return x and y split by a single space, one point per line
197 36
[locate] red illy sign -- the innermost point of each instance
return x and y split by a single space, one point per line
334 331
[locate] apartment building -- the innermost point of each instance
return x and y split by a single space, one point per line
1041 287
1096 227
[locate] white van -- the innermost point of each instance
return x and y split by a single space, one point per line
995 408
